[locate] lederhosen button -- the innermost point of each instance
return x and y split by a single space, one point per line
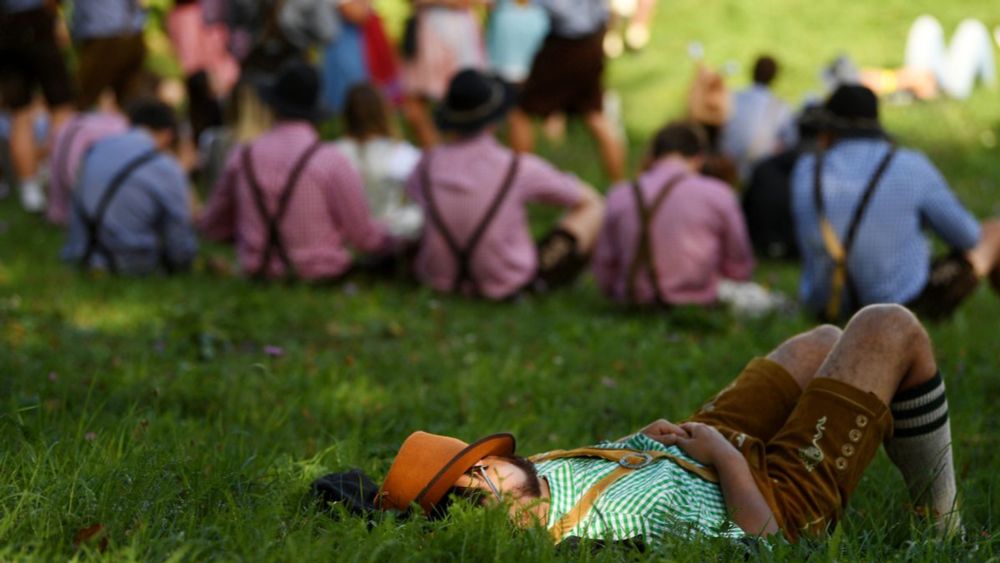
847 450
840 463
861 421
854 435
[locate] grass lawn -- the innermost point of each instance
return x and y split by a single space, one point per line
187 416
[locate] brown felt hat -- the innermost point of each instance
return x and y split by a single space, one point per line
427 465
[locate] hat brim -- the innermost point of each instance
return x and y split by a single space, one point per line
502 444
266 89
447 120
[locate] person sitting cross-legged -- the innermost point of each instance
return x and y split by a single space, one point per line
781 449
674 236
131 209
293 203
860 204
474 191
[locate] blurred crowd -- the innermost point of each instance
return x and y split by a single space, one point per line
111 151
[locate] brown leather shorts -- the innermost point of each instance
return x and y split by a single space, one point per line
807 450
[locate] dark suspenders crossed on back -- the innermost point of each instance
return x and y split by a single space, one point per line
93 223
463 254
274 241
643 258
840 251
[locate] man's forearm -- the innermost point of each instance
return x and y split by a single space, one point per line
743 498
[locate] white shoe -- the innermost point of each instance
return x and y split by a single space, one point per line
32 197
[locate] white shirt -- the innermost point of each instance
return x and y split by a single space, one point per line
385 164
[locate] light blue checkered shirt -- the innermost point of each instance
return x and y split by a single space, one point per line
890 261
147 222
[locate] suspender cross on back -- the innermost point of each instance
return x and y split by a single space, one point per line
274 242
94 223
643 259
463 254
840 251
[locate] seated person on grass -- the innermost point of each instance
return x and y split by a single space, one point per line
779 450
292 203
674 236
71 143
131 208
474 193
860 205
384 162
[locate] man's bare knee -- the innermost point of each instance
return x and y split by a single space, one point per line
886 321
884 348
802 354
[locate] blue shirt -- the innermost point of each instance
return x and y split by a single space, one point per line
573 19
148 221
514 35
106 18
760 125
890 261
15 6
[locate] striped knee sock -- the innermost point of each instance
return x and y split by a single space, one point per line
921 449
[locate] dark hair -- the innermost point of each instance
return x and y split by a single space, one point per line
765 69
153 114
365 112
684 137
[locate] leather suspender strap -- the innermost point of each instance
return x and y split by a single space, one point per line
94 223
628 461
273 222
837 249
463 254
643 258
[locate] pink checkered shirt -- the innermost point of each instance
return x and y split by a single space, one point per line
327 212
465 177
72 141
698 237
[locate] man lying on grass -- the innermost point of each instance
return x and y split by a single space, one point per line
779 449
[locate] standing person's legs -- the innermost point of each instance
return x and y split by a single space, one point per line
520 133
817 459
608 144
31 58
417 114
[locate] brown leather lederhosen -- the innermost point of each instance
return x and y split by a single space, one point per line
840 251
463 253
643 258
93 223
274 241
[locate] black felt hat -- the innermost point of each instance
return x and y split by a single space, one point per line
852 110
294 92
474 100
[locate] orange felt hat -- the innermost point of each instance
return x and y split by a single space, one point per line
427 465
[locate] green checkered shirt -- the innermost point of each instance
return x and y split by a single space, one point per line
659 499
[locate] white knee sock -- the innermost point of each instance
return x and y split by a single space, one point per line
921 450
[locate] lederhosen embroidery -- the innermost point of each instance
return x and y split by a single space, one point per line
643 259
274 242
839 251
93 223
463 254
